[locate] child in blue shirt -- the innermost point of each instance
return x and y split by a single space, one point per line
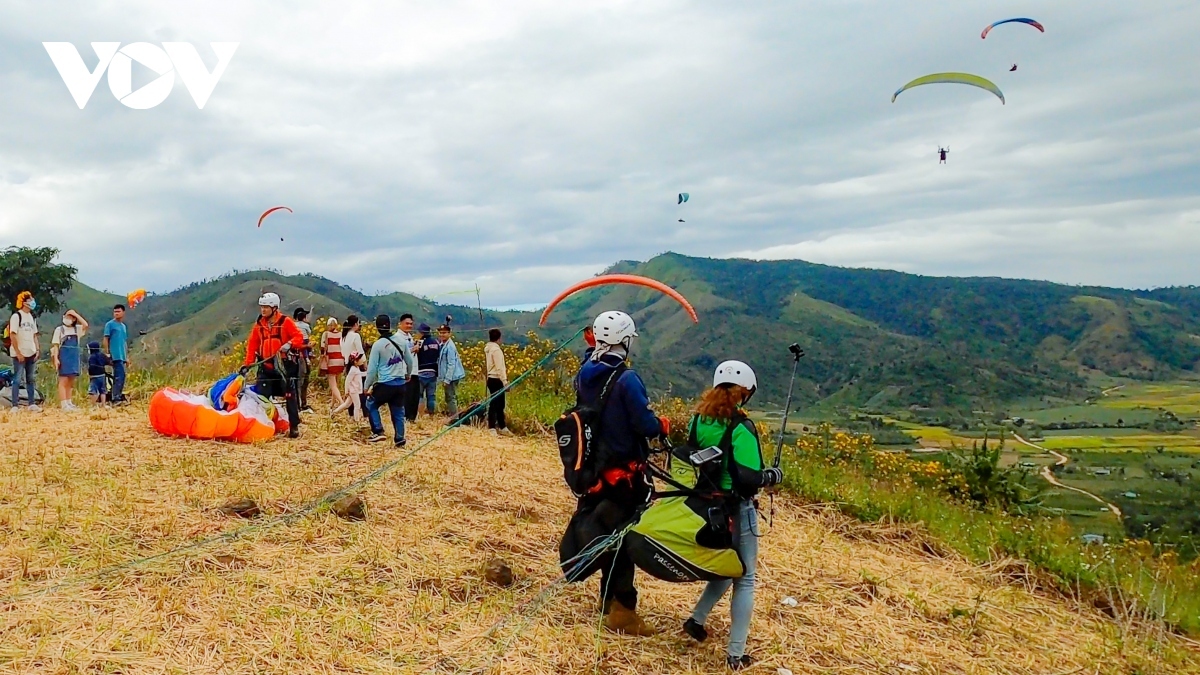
98 363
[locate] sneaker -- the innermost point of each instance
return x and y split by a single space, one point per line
695 630
375 438
505 432
738 662
402 442
294 433
307 408
35 408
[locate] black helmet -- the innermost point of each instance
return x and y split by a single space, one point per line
300 314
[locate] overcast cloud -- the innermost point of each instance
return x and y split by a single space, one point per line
524 145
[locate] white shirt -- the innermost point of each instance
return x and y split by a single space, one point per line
63 331
23 329
352 344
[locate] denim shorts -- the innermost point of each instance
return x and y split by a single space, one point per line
98 385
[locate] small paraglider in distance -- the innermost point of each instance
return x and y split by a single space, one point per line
942 152
1013 69
271 210
683 197
682 220
1029 22
633 279
953 78
134 298
281 239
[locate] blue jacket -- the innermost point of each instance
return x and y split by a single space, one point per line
450 367
627 421
390 362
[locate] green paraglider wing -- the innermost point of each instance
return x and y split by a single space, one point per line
953 78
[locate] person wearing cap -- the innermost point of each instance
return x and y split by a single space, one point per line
428 350
388 369
300 316
275 344
450 369
743 474
627 422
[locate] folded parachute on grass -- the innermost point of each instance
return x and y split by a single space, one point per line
229 412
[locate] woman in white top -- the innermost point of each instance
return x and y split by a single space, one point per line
64 351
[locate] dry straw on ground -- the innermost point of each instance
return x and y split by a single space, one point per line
405 590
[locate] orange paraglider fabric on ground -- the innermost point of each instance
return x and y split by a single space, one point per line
633 279
177 413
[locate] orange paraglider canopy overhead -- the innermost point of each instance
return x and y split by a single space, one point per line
269 211
620 279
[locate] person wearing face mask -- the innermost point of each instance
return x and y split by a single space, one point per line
65 353
23 337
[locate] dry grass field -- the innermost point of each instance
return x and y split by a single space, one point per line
404 590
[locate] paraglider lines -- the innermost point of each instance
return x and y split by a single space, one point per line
315 506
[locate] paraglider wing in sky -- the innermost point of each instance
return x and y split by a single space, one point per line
269 212
1031 22
135 297
953 78
683 197
1013 69
620 279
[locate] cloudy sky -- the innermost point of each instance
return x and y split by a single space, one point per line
525 145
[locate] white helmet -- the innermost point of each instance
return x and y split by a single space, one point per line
613 328
269 300
735 372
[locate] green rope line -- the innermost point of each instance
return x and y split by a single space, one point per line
321 502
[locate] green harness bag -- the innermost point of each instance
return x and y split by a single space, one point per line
687 534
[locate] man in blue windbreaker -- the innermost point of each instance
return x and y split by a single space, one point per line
626 425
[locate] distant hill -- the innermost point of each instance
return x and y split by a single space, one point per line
885 339
874 339
212 315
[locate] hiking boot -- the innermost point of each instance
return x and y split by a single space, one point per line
621 619
695 630
738 662
376 438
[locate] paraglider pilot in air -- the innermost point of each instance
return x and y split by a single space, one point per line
942 152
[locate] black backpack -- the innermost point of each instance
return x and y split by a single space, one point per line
578 440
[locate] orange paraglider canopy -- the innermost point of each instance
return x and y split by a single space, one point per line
620 279
271 210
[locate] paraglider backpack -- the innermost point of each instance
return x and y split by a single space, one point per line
687 533
579 448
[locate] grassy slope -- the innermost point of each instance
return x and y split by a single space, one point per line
403 590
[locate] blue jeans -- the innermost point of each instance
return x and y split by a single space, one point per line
391 394
429 392
118 388
741 607
29 367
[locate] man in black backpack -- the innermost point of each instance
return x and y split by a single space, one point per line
626 422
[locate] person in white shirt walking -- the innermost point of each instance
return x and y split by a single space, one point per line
497 380
23 332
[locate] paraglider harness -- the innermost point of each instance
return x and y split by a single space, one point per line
285 366
588 467
687 532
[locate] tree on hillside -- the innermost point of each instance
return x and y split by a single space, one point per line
33 270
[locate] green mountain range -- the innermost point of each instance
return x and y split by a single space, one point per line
873 339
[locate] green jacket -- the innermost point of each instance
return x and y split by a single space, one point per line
743 471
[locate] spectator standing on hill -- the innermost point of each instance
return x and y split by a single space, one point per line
331 358
98 364
275 343
23 335
355 400
412 395
300 316
387 377
428 350
66 354
450 369
116 343
352 348
497 379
